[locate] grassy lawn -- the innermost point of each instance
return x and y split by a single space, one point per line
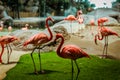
60 69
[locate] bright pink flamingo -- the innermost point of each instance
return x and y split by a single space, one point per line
70 52
38 40
70 18
104 33
6 40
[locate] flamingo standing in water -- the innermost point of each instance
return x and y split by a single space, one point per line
70 18
104 33
38 40
70 52
6 40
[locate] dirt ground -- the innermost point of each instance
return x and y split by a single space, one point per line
83 39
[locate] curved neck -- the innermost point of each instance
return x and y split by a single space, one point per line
2 45
47 26
60 46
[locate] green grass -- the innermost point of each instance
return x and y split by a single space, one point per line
60 69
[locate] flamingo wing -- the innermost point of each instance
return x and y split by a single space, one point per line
73 52
106 31
37 39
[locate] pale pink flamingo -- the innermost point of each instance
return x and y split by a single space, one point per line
6 40
79 17
25 27
92 23
9 28
70 18
38 40
71 52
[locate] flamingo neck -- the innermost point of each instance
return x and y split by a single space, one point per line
60 46
47 26
100 38
2 45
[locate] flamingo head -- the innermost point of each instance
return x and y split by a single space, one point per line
79 12
58 35
50 18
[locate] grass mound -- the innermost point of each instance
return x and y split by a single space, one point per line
60 69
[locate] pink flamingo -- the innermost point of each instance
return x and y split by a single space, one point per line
79 17
92 23
101 21
70 52
38 40
70 18
6 40
104 32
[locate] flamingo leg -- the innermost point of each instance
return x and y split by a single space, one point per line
9 47
77 69
34 61
104 49
41 71
106 46
72 69
7 53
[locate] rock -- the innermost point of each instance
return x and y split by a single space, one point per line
103 12
73 27
5 17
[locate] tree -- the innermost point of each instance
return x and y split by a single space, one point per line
116 5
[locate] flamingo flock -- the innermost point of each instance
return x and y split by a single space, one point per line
71 51
104 32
